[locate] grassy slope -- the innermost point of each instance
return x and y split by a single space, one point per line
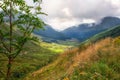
69 43
33 57
98 62
112 32
83 62
58 48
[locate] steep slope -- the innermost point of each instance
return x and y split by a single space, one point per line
85 31
98 62
112 32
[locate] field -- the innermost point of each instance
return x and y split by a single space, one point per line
58 48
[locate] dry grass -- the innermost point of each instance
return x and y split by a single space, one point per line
66 64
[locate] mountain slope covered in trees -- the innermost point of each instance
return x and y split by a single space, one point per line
112 32
48 34
80 32
85 31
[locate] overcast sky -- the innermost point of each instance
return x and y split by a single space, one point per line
67 13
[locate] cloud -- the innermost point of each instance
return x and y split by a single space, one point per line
62 23
66 13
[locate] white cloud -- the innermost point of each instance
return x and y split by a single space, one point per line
88 21
66 13
114 2
62 23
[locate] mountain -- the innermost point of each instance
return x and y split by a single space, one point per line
81 32
112 32
85 31
49 34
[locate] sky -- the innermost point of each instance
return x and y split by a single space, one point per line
66 13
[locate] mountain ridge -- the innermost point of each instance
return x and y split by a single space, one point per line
81 32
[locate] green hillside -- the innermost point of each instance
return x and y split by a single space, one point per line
33 57
112 32
100 61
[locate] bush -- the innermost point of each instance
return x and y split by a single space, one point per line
117 41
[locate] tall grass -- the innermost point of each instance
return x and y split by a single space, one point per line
98 61
102 62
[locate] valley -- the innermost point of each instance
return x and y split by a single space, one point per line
90 61
95 62
68 59
78 33
59 39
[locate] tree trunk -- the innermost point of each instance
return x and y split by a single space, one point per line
9 69
8 74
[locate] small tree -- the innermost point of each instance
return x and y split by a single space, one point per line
17 22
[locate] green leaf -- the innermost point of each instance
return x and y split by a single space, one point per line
35 0
41 13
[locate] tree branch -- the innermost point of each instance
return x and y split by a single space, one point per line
25 37
22 44
10 17
4 45
5 10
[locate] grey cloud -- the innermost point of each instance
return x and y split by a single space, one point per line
83 9
93 9
79 9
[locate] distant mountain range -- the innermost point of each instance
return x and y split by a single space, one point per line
85 31
80 32
48 34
